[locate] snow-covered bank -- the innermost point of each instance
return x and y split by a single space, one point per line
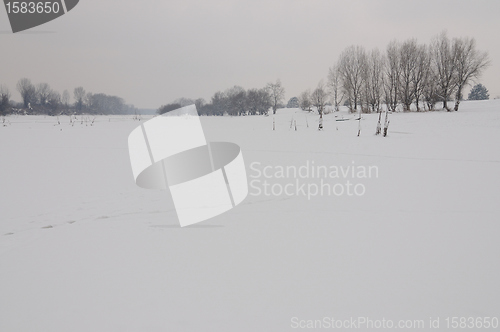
83 249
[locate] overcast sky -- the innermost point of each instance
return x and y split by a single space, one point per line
151 52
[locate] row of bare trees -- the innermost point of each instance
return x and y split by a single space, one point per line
42 99
235 101
407 74
41 95
100 103
317 98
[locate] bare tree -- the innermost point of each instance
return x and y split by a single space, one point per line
375 79
444 63
42 93
253 101
65 99
305 101
4 99
265 102
421 74
318 97
79 96
277 93
469 64
27 91
335 86
430 89
258 101
89 100
199 103
374 84
352 64
53 102
352 67
236 100
408 62
220 103
392 76
365 89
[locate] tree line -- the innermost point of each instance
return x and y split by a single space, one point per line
408 76
42 99
235 101
411 75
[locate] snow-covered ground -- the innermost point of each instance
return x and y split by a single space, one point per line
82 248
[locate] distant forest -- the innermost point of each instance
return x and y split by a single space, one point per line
42 99
235 101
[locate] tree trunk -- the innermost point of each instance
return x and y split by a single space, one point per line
386 123
459 94
379 124
446 95
359 123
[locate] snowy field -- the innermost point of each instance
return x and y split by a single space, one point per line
82 248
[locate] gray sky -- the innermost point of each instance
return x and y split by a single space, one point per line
152 52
